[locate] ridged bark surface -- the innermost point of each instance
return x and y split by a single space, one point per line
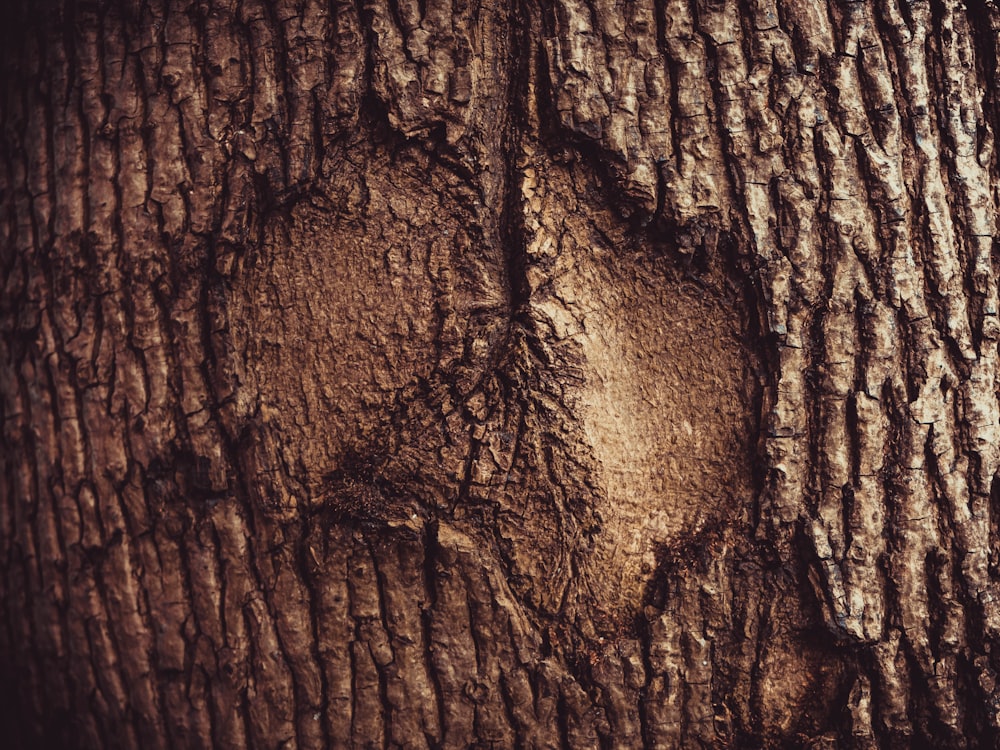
499 374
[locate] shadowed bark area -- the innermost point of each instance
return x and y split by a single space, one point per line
467 374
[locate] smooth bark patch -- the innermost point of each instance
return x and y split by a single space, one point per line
655 364
361 310
388 308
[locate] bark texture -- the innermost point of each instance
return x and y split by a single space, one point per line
499 374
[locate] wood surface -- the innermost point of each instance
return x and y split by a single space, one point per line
472 373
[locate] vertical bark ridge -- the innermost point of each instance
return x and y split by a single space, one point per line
236 688
451 654
15 457
325 560
24 542
371 651
41 400
400 569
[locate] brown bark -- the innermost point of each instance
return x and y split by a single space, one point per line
524 374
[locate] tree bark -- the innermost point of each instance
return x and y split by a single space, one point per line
487 374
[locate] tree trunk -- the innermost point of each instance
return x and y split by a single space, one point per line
499 374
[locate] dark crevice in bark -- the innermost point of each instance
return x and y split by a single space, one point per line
994 551
511 221
430 580
283 79
674 98
309 583
510 710
48 375
644 634
984 23
814 407
383 675
562 712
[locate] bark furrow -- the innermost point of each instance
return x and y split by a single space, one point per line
541 374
